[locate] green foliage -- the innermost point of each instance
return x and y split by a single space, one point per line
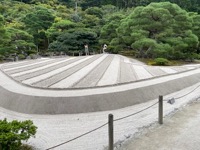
63 25
13 133
149 29
4 38
161 62
33 56
159 30
21 57
40 19
21 40
108 33
197 56
95 11
31 52
74 40
37 22
127 53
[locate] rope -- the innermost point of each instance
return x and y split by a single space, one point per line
119 120
78 136
135 112
188 93
100 127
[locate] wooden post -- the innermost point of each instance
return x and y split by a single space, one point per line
160 110
110 132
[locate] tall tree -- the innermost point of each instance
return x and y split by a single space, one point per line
159 30
74 40
37 22
196 27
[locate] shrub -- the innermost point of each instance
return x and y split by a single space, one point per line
13 133
127 53
21 56
113 49
31 52
33 56
161 61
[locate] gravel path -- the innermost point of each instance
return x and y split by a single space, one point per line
180 131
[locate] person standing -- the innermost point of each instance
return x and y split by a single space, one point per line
86 50
104 48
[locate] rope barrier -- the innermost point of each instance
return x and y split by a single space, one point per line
100 127
78 136
118 120
185 94
188 93
135 112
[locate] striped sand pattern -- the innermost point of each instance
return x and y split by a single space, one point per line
36 69
94 76
180 69
16 64
127 74
70 69
71 80
47 69
155 71
53 74
85 71
168 70
141 72
13 64
21 65
111 74
29 67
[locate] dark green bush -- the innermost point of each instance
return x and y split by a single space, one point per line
31 52
21 56
161 62
13 133
33 56
113 49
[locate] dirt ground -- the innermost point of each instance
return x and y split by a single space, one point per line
180 131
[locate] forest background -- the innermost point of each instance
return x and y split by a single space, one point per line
142 28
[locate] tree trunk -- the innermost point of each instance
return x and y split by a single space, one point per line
76 7
37 48
146 53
